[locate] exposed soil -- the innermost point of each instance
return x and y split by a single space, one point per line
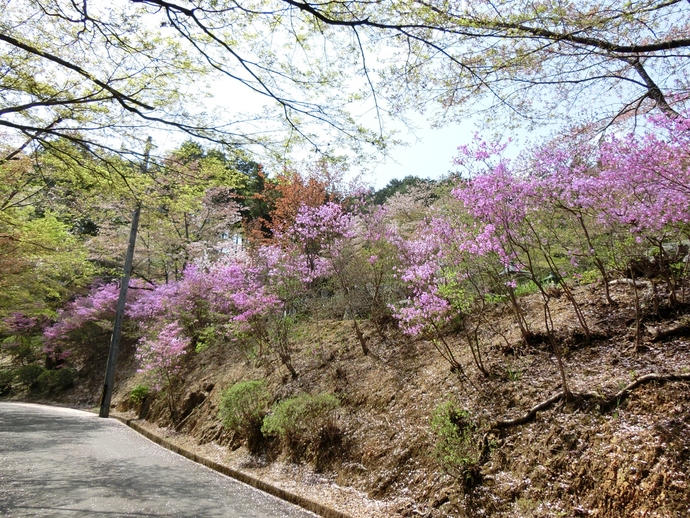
617 449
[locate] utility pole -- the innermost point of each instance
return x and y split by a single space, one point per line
107 393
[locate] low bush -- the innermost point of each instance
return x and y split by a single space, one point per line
57 380
139 394
6 380
526 288
306 426
457 449
28 375
23 349
590 277
242 409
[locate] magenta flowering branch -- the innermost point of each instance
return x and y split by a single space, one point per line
161 355
161 360
78 332
325 234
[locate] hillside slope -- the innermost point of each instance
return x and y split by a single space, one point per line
619 447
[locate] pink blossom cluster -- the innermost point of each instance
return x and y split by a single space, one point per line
97 307
229 291
318 235
171 314
161 356
18 323
641 183
323 224
638 183
421 271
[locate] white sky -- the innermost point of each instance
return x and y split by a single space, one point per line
429 155
431 151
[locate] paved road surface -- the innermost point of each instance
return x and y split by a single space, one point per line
62 462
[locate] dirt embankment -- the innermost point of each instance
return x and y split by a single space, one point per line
619 448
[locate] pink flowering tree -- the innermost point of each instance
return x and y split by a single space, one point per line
177 319
354 254
318 233
476 273
451 271
174 320
374 265
499 205
234 298
81 333
255 295
196 302
161 356
426 309
189 303
567 172
527 231
286 277
622 205
324 237
524 218
644 186
638 187
631 201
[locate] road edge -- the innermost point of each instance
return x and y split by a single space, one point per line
305 503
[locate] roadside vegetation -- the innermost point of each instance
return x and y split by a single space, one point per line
511 339
572 249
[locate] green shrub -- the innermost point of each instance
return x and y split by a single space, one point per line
298 415
28 375
207 337
242 409
494 298
53 381
139 394
590 277
513 374
306 425
526 288
457 449
6 379
24 349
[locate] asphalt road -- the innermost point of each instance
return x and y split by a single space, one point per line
62 462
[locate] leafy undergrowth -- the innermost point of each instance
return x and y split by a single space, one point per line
617 449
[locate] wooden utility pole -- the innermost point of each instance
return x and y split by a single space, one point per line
107 393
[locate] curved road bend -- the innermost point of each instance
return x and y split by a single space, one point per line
63 462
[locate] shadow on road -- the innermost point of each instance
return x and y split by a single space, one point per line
68 463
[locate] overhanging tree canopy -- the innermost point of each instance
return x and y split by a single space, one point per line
100 74
587 60
103 73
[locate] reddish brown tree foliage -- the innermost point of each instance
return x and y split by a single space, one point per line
295 190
